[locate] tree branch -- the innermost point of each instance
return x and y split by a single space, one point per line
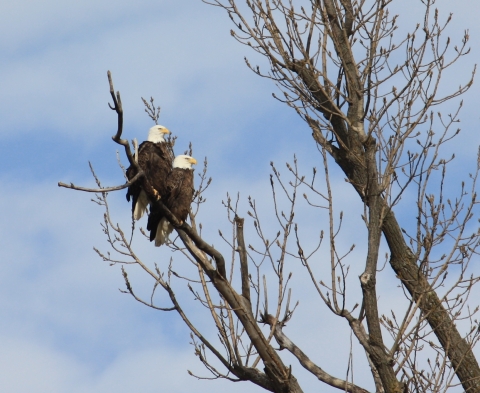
323 376
242 251
105 189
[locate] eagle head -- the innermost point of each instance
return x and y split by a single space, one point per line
156 134
184 162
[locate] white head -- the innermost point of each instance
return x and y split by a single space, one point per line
156 134
184 162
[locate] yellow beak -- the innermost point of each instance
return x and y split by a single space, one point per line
193 161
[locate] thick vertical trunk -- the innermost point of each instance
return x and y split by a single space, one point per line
377 351
403 262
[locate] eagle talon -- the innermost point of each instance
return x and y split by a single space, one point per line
156 195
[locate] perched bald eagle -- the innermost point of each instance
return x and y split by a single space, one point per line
155 157
177 197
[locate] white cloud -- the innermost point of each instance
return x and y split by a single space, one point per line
32 367
64 84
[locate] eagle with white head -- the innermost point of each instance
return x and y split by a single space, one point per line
177 198
155 157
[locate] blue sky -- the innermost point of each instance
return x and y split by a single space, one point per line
64 326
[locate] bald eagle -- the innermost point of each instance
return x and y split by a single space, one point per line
155 157
177 198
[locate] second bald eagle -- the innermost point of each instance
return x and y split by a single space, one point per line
177 197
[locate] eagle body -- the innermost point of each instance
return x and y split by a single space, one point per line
177 198
155 158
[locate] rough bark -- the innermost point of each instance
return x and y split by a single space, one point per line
377 353
405 266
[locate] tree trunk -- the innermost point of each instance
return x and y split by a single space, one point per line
405 266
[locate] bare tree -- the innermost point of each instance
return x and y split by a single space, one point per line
368 94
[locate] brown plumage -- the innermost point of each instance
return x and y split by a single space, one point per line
155 157
177 198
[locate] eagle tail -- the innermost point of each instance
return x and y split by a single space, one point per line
140 206
163 230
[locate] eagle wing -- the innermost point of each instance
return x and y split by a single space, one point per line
180 192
